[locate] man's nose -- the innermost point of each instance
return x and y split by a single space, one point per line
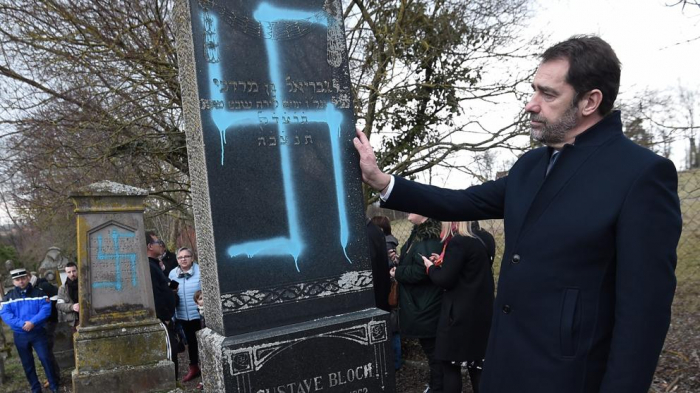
532 106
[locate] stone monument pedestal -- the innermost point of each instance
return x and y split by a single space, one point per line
119 345
63 345
124 357
346 353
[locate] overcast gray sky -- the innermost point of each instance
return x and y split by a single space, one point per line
649 37
659 47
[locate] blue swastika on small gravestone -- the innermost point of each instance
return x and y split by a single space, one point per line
117 257
268 15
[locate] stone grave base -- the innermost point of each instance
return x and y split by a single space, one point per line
63 345
349 353
123 357
156 377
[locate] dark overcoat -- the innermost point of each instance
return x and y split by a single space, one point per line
587 278
419 298
467 303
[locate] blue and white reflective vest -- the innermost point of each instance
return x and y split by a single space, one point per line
20 306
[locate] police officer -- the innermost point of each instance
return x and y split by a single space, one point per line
25 309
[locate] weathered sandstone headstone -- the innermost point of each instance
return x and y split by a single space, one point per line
119 346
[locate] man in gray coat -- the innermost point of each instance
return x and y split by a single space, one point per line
592 222
67 303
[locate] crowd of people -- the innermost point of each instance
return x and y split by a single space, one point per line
445 296
34 307
177 293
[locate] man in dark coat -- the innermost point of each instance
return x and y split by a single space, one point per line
51 291
592 222
164 298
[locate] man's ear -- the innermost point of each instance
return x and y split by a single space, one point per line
590 102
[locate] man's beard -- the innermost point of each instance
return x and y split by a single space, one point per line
72 286
554 133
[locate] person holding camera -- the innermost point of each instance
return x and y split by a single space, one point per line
419 299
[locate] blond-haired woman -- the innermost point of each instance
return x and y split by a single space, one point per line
463 270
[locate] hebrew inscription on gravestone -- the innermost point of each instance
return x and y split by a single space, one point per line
284 188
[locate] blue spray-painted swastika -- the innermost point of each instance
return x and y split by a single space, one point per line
268 16
117 256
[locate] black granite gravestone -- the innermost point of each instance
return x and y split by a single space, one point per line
277 122
276 188
345 353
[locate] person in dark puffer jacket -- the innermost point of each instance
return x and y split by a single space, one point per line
419 299
164 299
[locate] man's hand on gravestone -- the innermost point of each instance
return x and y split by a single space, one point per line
371 174
76 307
28 326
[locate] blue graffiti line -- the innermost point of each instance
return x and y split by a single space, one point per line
268 15
117 257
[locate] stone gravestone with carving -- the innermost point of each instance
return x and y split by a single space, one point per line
120 346
7 280
277 199
51 266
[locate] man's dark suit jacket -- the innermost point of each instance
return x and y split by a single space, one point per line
587 277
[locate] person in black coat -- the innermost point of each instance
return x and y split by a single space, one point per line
592 222
463 270
392 259
169 261
165 300
51 291
392 243
380 266
486 238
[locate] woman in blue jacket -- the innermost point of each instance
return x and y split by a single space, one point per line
187 315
